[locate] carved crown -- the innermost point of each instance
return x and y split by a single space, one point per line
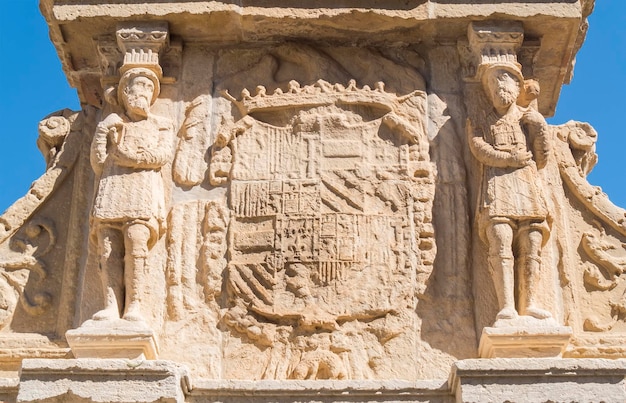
142 44
317 94
495 43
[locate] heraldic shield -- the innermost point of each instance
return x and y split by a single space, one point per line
330 237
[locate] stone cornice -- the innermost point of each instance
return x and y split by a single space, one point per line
560 25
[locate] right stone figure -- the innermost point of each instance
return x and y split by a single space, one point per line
512 144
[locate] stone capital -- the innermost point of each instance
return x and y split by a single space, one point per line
141 44
495 41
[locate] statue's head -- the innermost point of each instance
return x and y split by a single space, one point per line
502 84
138 89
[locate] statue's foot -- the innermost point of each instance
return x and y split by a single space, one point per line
133 314
507 313
106 314
538 313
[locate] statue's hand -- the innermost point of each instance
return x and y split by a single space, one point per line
522 158
145 156
113 123
113 120
533 118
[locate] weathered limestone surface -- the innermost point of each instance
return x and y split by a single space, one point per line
314 201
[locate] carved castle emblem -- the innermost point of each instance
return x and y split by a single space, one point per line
330 198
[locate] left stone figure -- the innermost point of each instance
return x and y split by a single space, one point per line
129 212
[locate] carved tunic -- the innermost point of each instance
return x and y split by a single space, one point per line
508 191
131 186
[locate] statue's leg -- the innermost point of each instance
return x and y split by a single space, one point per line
501 262
530 246
111 253
136 238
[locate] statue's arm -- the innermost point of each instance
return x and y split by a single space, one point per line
99 148
539 135
147 157
161 154
487 154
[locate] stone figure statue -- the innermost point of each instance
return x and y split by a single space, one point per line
128 217
512 144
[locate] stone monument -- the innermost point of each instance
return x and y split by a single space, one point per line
272 201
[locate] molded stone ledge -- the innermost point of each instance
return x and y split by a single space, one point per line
65 10
102 380
320 391
477 380
15 347
533 380
8 389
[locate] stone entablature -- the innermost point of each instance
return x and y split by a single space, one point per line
371 23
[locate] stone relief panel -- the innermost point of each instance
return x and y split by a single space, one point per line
297 229
190 165
305 212
38 270
581 253
330 238
131 153
312 187
512 143
594 288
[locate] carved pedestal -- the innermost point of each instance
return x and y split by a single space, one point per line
519 341
113 339
538 380
109 381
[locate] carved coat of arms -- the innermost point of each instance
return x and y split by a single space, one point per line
330 193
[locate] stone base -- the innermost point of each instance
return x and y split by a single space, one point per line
8 389
113 339
94 380
14 347
524 337
320 391
528 380
538 380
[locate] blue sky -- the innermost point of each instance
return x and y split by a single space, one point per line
35 86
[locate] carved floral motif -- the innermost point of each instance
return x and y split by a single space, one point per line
33 241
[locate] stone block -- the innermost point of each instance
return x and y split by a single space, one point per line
531 380
121 339
102 380
8 389
524 342
320 391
